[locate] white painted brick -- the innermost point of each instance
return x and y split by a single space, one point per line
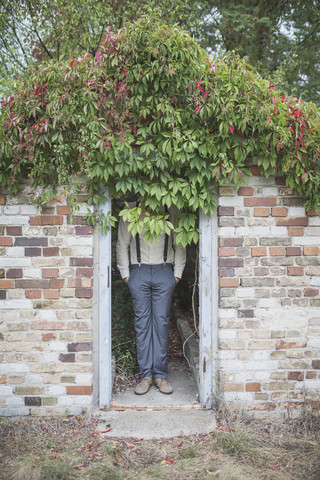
46 315
17 252
227 355
314 221
305 241
14 401
260 355
56 390
238 396
226 232
83 209
84 400
32 273
14 411
279 231
227 334
313 231
29 210
14 220
5 390
16 304
33 379
242 231
57 346
269 191
308 385
314 342
84 240
245 292
228 313
261 375
243 376
315 281
82 251
269 302
16 262
65 401
234 365
84 379
231 201
296 212
31 231
11 210
10 316
261 181
266 365
48 357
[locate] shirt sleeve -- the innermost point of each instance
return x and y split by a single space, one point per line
122 249
180 253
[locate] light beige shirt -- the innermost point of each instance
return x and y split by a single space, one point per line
151 254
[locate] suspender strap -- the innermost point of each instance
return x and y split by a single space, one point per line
165 250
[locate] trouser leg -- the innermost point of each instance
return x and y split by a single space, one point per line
163 283
140 289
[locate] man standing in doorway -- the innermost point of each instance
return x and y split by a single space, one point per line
155 270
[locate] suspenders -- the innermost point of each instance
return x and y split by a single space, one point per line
165 250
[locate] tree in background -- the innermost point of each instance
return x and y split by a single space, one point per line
281 38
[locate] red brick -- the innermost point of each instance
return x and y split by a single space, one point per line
84 230
227 252
14 273
261 212
280 181
228 282
6 283
51 252
284 344
279 212
260 202
225 211
50 293
262 406
14 231
295 231
78 390
312 213
258 251
63 210
67 357
314 321
311 375
253 387
31 241
77 220
316 364
245 191
84 272
226 272
292 222
309 251
81 262
1 230
277 251
32 252
230 262
310 292
46 337
6 241
56 283
293 251
50 272
315 404
3 294
296 376
33 293
84 293
246 313
230 242
80 347
255 170
32 283
2 200
46 220
295 271
3 379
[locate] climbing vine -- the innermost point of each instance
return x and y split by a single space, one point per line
152 115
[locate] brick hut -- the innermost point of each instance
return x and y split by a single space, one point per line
259 291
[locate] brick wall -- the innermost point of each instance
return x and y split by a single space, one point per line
46 289
269 279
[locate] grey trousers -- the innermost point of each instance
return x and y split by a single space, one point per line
151 288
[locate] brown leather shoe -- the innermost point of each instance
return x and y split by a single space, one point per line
163 385
143 386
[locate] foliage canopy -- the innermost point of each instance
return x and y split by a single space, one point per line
151 115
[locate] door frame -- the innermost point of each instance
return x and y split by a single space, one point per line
208 311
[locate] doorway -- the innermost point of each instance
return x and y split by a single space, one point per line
208 312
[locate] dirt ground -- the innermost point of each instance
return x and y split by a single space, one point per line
241 448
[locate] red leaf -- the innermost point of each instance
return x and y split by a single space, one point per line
232 129
106 431
304 176
197 110
72 62
180 444
271 86
109 146
206 93
169 460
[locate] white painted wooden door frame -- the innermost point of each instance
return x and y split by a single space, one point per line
208 301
